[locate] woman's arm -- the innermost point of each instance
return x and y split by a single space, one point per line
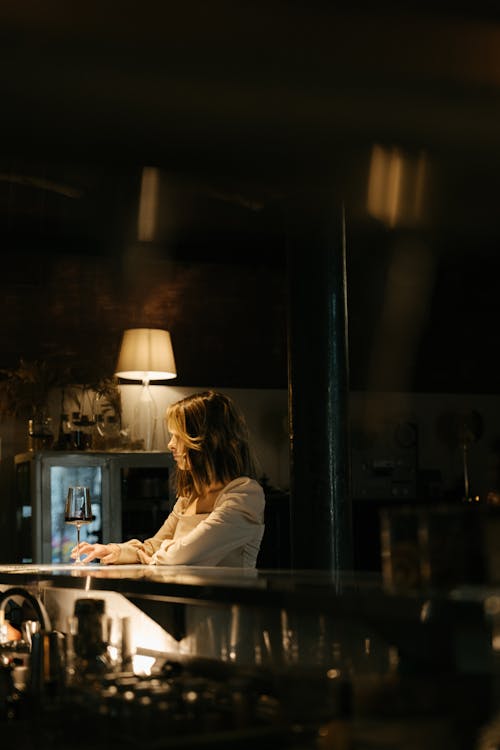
136 551
231 524
132 551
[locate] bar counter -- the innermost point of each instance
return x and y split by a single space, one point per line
323 660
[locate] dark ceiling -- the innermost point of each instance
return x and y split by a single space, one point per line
243 106
263 92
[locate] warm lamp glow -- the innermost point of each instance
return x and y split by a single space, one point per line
146 354
397 187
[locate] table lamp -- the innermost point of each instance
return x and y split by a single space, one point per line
146 354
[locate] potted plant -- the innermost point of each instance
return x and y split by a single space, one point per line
25 391
24 394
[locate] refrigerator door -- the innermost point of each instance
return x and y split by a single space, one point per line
62 535
53 538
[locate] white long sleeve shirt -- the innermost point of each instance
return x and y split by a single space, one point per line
230 535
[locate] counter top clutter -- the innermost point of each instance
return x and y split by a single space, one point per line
201 657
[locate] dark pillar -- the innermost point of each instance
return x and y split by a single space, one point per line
318 384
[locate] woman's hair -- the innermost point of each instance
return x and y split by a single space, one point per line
216 438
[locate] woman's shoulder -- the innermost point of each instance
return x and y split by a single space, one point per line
243 489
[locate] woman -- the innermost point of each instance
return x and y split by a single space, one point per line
218 518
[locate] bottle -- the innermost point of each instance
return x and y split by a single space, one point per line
112 431
31 438
64 437
86 426
75 431
98 441
47 673
89 641
40 435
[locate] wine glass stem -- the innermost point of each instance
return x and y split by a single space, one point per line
78 542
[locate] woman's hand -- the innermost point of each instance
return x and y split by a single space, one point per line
106 553
144 557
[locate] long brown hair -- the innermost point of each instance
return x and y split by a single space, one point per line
216 438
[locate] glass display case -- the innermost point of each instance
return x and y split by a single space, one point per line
129 494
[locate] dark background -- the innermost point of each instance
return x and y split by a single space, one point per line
244 107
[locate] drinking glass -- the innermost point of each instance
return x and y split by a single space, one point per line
78 511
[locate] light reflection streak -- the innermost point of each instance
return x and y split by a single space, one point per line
397 187
148 204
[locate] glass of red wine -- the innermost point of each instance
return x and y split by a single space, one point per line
78 512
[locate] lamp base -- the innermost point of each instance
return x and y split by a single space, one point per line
147 429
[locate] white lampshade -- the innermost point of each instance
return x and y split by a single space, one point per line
146 354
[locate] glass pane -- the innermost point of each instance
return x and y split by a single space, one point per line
24 512
64 535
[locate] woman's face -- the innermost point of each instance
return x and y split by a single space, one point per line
179 450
